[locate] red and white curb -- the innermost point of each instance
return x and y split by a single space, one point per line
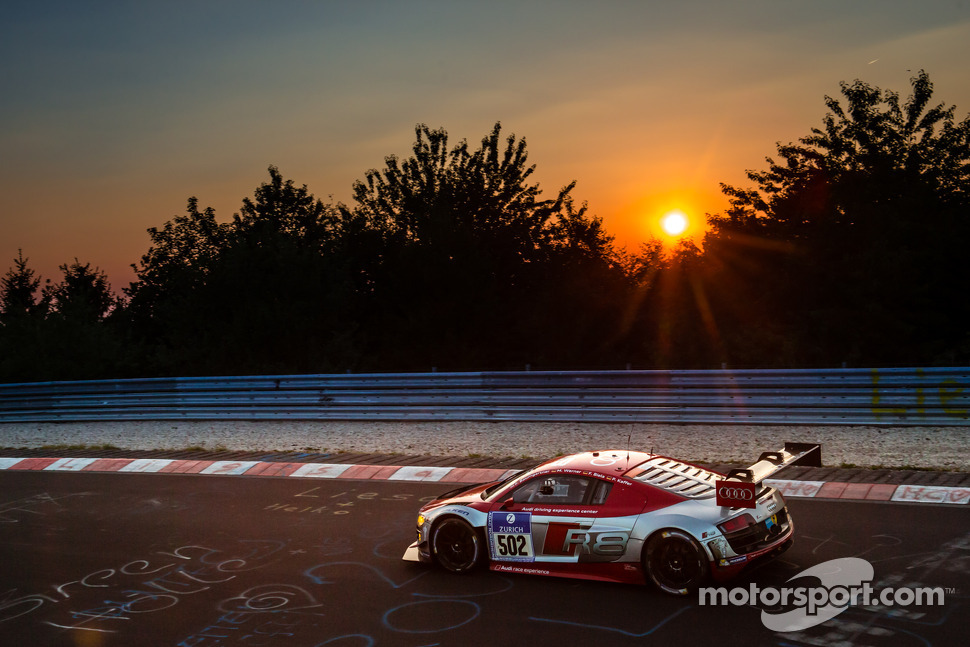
873 491
257 468
793 489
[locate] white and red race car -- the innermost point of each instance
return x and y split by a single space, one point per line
615 515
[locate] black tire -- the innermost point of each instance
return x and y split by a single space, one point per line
675 562
456 546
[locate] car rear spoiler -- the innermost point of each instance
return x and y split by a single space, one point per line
739 488
769 463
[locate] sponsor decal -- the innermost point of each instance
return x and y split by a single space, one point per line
525 570
771 522
561 510
510 536
558 537
572 539
736 494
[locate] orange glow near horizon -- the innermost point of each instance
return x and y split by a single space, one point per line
646 219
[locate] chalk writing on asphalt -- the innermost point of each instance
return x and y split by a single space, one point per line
317 500
35 505
98 600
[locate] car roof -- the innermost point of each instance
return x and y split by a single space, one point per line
611 462
659 471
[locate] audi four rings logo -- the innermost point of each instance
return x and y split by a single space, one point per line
735 493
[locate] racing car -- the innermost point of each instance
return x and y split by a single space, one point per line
616 515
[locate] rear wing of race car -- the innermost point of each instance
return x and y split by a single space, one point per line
737 490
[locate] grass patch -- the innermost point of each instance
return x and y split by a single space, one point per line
79 447
898 468
911 468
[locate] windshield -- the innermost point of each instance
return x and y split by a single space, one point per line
492 489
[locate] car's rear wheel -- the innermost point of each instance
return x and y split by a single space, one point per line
456 546
675 562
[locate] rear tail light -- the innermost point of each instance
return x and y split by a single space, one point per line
737 523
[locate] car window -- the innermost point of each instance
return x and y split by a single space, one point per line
600 490
562 489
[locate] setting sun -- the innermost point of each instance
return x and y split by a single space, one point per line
674 223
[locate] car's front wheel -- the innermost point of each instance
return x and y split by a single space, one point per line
456 546
675 562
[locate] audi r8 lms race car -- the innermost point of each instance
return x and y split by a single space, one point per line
618 515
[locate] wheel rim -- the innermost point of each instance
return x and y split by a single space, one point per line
455 546
675 564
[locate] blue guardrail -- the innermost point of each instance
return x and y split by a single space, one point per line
887 397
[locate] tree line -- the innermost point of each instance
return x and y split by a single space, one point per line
850 248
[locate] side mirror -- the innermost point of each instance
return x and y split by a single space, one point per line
508 503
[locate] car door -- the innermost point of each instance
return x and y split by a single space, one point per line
557 519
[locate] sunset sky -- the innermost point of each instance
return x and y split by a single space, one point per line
114 113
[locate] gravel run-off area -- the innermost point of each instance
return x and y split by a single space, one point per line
943 448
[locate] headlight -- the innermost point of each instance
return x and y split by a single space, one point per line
421 520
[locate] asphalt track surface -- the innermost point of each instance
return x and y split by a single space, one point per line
93 559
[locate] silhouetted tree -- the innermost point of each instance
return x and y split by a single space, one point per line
855 242
282 209
476 269
852 247
22 313
180 257
83 295
266 292
19 290
67 332
81 341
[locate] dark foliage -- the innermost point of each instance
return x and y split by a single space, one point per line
69 332
474 269
851 248
265 293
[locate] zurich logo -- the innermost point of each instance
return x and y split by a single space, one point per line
510 518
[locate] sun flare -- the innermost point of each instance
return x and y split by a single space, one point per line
674 223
